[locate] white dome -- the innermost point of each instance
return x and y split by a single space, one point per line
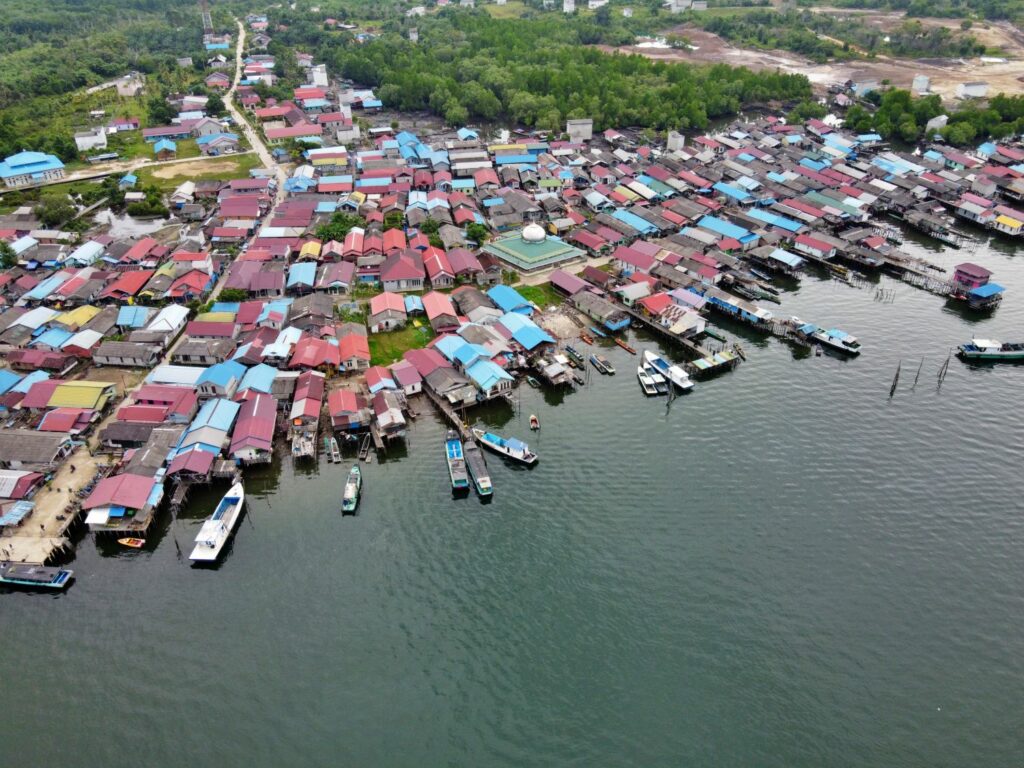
534 233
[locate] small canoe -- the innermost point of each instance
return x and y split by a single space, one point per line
625 346
132 542
534 422
598 332
586 339
532 382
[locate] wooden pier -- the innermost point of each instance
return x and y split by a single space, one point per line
708 366
450 414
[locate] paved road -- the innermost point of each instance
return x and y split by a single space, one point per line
255 141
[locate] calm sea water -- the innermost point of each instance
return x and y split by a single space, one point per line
786 568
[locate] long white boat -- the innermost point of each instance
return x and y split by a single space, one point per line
219 526
674 373
510 447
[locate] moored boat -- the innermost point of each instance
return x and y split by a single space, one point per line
992 350
586 339
625 346
596 362
598 332
478 469
659 381
608 367
34 576
132 542
353 488
646 382
219 526
574 355
456 460
838 340
534 422
674 373
532 382
511 447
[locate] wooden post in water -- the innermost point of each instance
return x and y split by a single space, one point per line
895 380
918 376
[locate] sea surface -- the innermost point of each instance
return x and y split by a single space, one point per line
783 568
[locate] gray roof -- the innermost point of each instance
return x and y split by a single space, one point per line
30 446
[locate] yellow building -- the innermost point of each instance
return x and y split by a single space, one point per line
82 394
76 318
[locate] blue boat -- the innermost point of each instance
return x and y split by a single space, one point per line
456 461
598 332
34 576
514 449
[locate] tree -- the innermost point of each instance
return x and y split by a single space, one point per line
478 233
341 224
393 220
234 294
55 210
8 258
160 112
215 105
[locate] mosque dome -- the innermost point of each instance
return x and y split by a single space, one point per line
534 233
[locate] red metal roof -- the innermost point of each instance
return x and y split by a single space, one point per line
130 491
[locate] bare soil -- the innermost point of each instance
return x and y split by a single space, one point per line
197 168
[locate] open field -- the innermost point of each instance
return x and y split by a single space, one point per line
221 168
945 74
386 348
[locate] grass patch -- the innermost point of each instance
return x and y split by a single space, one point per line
173 175
511 10
543 295
386 348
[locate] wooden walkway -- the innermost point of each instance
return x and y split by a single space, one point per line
450 414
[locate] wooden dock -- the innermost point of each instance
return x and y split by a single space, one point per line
708 366
450 414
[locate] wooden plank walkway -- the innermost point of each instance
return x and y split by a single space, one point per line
449 413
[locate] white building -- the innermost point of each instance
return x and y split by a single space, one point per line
976 90
94 138
922 84
568 6
319 76
580 130
676 141
414 35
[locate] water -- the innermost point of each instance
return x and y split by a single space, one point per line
785 569
123 226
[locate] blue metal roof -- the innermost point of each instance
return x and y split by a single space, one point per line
8 379
226 306
509 299
132 317
53 337
259 377
724 228
217 413
487 374
467 354
987 290
449 346
641 225
790 259
734 192
303 273
775 220
29 379
221 374
48 286
413 304
526 159
29 163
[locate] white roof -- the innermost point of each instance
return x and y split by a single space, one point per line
175 374
36 317
8 479
169 318
86 339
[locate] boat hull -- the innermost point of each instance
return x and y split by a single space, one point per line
217 531
353 490
33 577
528 459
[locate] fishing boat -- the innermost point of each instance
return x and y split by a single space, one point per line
838 340
674 373
510 447
594 361
625 346
574 355
532 382
598 332
219 526
132 542
34 576
586 339
579 379
989 349
608 367
646 382
456 460
478 470
534 422
353 487
660 383
335 452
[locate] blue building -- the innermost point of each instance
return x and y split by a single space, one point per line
26 169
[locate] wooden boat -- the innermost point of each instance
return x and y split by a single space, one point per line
714 335
33 576
608 367
625 346
353 488
532 382
478 470
594 361
534 422
574 355
510 447
646 382
132 542
364 448
674 373
991 351
598 332
579 379
586 339
456 461
327 448
335 452
838 340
